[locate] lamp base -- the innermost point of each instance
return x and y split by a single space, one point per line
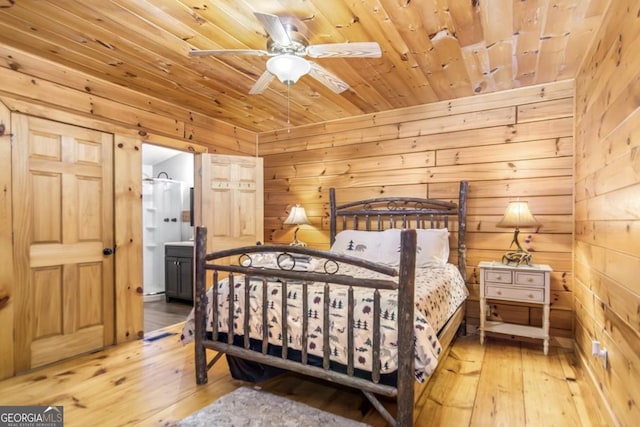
519 256
516 258
297 242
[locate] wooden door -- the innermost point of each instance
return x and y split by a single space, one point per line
63 222
231 200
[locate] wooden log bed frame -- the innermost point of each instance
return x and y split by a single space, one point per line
386 212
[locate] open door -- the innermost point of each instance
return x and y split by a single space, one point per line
230 200
63 240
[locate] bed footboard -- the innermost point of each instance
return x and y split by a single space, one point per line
243 277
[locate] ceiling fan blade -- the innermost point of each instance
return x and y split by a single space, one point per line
326 78
220 52
274 28
262 83
358 50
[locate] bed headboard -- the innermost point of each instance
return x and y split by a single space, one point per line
402 212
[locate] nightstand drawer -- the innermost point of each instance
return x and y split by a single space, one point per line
530 279
497 276
515 294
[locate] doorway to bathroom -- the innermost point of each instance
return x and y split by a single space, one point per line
167 204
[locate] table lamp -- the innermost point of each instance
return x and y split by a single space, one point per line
517 215
298 217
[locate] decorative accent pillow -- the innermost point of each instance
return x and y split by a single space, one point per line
282 260
288 261
358 243
432 247
267 259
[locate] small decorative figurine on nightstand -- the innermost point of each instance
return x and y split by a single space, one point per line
517 215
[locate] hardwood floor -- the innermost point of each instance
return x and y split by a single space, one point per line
152 383
159 314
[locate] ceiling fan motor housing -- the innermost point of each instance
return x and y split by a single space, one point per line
298 45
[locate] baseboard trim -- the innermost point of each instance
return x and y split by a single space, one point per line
593 383
152 297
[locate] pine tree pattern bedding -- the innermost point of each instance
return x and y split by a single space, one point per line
439 292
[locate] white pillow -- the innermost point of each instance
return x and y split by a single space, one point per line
432 247
358 243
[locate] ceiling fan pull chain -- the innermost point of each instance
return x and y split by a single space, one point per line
288 108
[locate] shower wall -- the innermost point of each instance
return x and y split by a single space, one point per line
162 210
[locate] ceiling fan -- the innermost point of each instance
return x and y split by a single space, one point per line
287 48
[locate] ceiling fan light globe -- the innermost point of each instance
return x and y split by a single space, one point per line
288 68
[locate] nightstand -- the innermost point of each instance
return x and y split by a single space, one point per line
526 284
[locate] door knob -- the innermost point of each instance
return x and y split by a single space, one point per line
107 251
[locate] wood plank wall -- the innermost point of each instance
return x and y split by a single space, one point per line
7 284
607 209
509 145
34 85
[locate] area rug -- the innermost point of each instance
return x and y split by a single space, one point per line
248 406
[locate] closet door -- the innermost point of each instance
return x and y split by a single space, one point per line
231 200
63 239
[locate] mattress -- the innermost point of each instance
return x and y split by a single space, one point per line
438 293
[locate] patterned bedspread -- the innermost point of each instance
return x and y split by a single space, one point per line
439 292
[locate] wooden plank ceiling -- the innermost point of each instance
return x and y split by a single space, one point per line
432 50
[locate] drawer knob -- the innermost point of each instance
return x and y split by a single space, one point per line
530 279
531 296
498 277
499 292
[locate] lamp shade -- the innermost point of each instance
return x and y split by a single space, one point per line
297 216
517 215
288 68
